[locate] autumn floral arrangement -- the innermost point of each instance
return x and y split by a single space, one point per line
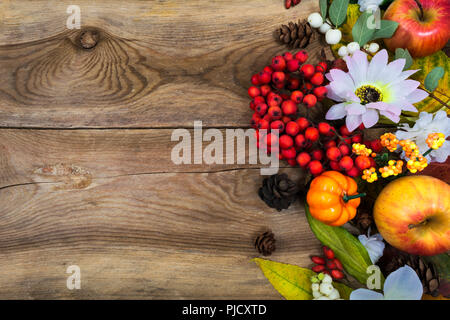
365 127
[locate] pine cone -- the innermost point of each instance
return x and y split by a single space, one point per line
425 270
296 35
278 191
265 243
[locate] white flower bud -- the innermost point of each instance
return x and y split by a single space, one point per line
342 52
334 295
333 36
352 47
327 279
315 20
324 28
315 287
316 294
374 47
326 288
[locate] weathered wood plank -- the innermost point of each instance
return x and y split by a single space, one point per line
157 63
78 156
185 235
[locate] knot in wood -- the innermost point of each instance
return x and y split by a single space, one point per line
89 39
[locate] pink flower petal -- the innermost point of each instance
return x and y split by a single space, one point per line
331 95
417 95
377 65
355 108
405 87
357 66
370 118
342 79
352 122
336 112
391 116
380 105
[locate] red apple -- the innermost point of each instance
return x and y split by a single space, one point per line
424 25
413 214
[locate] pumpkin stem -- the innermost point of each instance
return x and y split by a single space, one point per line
347 198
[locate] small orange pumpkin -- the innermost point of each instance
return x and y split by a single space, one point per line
333 198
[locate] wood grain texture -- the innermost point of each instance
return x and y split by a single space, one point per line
85 144
157 63
145 236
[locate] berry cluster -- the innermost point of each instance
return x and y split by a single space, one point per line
322 288
328 264
291 3
277 92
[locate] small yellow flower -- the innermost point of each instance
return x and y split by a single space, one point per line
390 141
370 175
435 140
410 147
361 150
393 168
417 163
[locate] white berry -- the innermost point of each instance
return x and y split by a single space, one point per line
324 28
366 46
316 294
327 279
326 288
315 287
333 36
342 52
315 20
334 295
374 47
352 47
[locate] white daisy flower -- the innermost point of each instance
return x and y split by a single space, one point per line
371 89
371 5
426 124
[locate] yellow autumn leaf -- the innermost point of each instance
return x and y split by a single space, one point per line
425 65
293 282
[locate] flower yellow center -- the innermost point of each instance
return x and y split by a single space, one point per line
369 94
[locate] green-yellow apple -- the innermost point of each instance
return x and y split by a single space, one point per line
424 25
413 214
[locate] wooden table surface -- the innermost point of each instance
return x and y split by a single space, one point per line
86 176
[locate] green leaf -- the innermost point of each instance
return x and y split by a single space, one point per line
293 282
404 54
360 31
387 29
432 79
323 8
346 247
338 12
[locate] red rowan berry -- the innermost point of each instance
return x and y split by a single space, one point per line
293 84
307 70
344 131
318 260
362 162
301 56
303 159
300 141
263 124
328 252
337 274
376 146
268 69
278 77
346 163
259 99
277 125
255 80
324 128
297 96
286 141
312 134
292 128
334 153
265 77
291 162
273 99
254 92
357 138
315 167
317 79
261 109
329 144
274 113
271 139
335 165
285 119
288 56
293 65
303 123
353 172
318 268
320 92
265 89
317 154
289 107
331 265
289 153
338 264
345 149
278 63
310 100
